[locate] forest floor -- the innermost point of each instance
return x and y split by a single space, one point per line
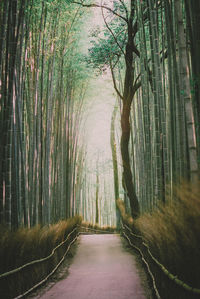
102 268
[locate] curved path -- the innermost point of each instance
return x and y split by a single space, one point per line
101 269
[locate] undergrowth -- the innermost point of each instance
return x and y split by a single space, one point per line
172 233
99 229
25 245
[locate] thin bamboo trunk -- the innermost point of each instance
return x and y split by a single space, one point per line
186 94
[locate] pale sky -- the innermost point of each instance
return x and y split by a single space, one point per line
97 126
100 100
99 103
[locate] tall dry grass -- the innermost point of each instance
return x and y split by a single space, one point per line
25 245
172 233
98 229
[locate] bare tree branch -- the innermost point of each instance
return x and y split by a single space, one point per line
136 80
122 2
108 27
102 6
135 25
136 85
114 81
135 50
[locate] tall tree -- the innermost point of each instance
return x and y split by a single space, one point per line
107 52
39 107
115 163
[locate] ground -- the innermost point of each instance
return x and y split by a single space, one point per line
103 267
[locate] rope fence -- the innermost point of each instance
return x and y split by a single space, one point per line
19 269
161 266
97 230
145 262
124 227
39 260
51 273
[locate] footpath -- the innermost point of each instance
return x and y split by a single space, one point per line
101 269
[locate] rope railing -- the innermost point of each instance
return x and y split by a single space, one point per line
3 275
162 267
145 262
97 230
44 259
51 273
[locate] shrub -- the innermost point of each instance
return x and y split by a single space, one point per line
25 245
172 232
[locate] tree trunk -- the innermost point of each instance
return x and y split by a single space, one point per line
192 8
127 174
128 94
97 198
114 160
186 94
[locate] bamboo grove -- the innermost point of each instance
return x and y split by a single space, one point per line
151 48
41 96
168 114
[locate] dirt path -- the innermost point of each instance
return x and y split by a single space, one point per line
101 269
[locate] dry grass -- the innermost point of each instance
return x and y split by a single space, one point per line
173 235
100 228
25 245
126 217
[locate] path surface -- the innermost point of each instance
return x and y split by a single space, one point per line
101 269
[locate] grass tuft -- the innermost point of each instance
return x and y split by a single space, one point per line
25 245
100 229
126 217
172 233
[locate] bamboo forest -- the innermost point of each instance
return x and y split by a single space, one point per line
100 142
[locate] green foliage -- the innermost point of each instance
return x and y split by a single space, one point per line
107 45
